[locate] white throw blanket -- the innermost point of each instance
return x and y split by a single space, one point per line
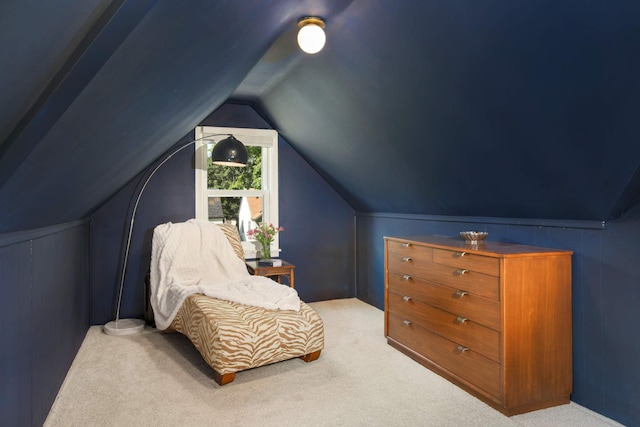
196 257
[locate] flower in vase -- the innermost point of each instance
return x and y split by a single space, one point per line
264 234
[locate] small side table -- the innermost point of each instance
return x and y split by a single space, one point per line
286 269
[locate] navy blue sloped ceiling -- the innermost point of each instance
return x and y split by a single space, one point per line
494 108
148 75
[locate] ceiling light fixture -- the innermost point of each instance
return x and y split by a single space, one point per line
311 37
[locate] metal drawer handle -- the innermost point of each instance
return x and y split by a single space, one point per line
406 277
406 245
406 298
460 294
459 254
461 272
460 320
407 322
462 349
406 259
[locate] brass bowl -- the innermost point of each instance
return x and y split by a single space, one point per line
473 237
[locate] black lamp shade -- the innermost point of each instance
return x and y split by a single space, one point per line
230 152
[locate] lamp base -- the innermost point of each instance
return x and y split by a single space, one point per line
124 327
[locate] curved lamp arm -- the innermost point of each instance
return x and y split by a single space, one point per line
130 326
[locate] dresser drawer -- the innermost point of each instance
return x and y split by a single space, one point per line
463 279
484 311
460 361
406 249
410 259
467 260
455 328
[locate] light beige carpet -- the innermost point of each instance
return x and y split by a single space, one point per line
155 379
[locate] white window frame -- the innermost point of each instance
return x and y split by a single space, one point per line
265 138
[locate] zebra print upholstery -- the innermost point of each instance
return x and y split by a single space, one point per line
232 337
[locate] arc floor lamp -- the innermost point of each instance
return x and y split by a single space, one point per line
228 152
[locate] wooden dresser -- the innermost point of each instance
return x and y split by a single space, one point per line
493 318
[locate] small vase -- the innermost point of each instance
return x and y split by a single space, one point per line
265 252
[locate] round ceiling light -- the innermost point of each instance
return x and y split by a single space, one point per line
311 37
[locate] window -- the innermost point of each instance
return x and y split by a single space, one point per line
242 196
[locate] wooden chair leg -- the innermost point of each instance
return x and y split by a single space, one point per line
223 379
311 356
